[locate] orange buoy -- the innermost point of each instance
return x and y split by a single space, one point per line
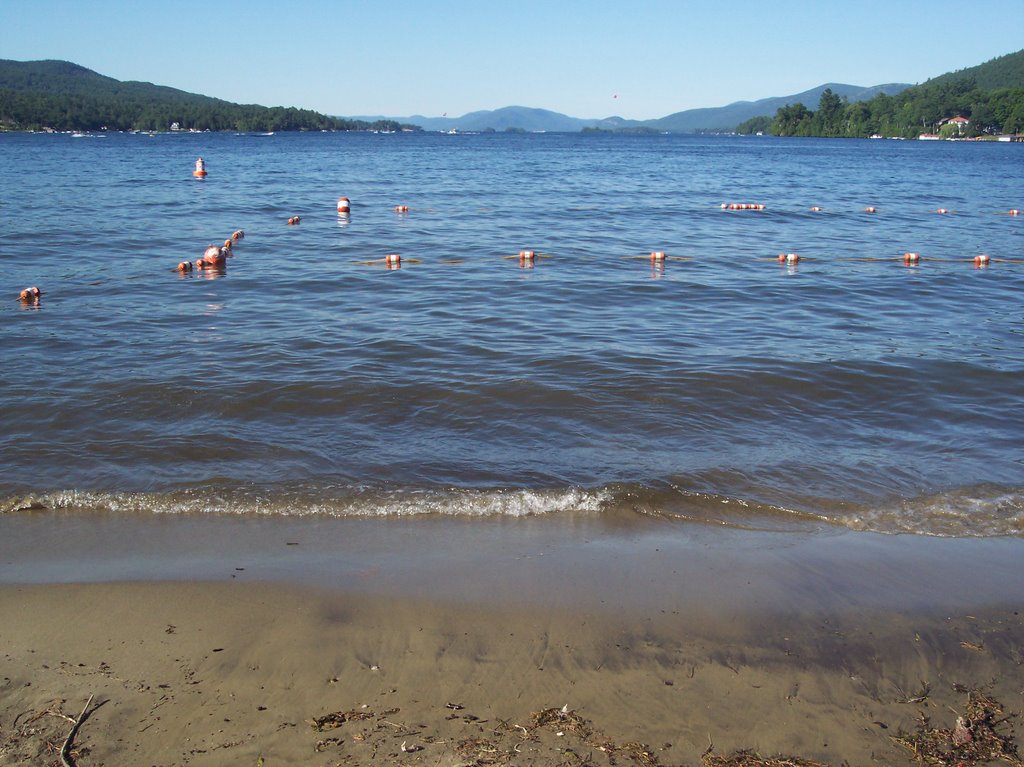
212 256
401 209
658 256
942 211
392 260
227 245
200 171
527 256
870 210
30 295
343 204
982 260
788 258
293 220
238 234
185 266
1013 212
911 258
816 209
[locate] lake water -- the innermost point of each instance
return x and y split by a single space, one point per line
847 389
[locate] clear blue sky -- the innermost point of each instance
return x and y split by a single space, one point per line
597 58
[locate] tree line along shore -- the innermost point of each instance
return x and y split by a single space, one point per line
982 101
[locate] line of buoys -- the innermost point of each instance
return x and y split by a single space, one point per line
30 296
741 206
390 261
344 205
294 220
214 256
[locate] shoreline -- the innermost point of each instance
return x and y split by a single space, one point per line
209 640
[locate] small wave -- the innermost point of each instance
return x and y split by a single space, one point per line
352 502
970 512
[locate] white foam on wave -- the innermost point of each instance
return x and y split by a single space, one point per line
973 512
355 503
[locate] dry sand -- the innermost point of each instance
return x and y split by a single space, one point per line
212 674
449 638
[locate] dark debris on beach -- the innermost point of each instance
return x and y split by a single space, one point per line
976 737
556 736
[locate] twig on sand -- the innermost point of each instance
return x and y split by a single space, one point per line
65 751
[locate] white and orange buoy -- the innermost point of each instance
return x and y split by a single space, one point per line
943 211
1013 212
212 257
344 205
982 260
30 295
392 260
658 257
200 171
185 266
237 235
816 209
911 258
401 209
527 256
870 209
228 244
789 258
294 220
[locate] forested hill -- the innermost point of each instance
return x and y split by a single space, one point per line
36 95
1003 72
990 96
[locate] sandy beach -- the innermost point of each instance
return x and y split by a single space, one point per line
655 662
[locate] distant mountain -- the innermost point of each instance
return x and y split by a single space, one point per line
510 118
728 117
691 121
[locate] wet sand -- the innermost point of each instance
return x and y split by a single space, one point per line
219 640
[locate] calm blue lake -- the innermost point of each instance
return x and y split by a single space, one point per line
304 377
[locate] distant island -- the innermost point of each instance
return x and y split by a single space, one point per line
59 95
978 102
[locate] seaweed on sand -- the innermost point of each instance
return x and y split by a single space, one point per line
974 739
748 758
